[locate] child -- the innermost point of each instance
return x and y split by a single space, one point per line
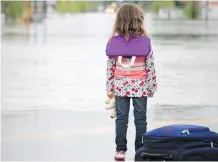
130 73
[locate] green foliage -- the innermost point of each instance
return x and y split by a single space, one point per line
146 5
157 5
191 10
12 9
75 6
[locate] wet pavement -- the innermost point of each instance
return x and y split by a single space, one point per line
49 135
53 89
57 135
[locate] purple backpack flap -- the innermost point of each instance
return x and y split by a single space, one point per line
133 47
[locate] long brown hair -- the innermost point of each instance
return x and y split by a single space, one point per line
129 21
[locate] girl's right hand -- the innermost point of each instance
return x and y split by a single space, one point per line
150 94
110 95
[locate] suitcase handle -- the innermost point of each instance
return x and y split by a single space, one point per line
162 156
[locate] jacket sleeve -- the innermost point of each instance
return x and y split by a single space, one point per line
151 74
111 65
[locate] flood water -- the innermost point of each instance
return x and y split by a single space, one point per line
60 69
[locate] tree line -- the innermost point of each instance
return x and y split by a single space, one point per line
16 9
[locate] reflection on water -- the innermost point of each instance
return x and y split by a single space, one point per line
56 79
62 66
185 112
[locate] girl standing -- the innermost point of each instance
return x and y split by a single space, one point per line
130 74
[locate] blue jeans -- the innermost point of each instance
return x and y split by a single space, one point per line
140 110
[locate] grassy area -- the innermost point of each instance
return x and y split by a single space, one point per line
76 6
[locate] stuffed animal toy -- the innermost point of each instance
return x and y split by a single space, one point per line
110 104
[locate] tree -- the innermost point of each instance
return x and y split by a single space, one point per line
12 9
191 10
157 5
